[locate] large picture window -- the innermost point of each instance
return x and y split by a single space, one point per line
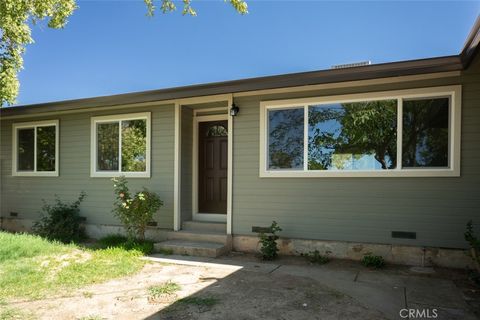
121 145
35 151
397 133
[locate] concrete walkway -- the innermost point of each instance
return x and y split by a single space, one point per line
394 292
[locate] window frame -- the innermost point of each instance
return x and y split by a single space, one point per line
34 125
454 92
94 173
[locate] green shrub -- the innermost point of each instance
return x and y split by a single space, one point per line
371 261
269 249
61 221
316 257
474 243
135 212
119 241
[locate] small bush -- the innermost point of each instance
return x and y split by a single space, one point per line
61 221
119 241
163 293
316 257
371 261
134 211
474 243
269 249
166 288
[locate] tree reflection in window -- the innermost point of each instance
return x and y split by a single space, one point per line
285 138
46 148
107 146
425 133
134 145
353 136
217 130
26 149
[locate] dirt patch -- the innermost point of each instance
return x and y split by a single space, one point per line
205 293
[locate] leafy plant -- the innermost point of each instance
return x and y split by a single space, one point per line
119 241
269 249
163 293
316 257
135 212
372 261
474 245
61 221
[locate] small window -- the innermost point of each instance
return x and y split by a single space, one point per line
121 146
35 148
217 131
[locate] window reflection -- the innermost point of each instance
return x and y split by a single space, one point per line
285 138
107 146
26 149
425 133
46 148
352 136
217 131
134 145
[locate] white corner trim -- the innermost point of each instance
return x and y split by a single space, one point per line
177 198
454 92
34 125
230 168
93 145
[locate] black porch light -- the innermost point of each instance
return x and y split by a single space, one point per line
234 110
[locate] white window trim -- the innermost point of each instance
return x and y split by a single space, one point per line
93 144
455 92
34 125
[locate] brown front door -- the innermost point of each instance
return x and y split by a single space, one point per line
212 166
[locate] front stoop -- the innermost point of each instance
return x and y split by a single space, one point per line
192 248
201 239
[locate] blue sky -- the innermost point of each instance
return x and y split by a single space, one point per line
112 47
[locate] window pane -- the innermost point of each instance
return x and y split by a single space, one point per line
26 149
285 139
134 145
353 136
217 130
46 148
425 133
107 146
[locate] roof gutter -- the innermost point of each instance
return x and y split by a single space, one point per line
471 46
384 70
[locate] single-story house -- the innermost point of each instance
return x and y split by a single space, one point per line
381 158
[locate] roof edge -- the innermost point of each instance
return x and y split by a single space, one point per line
382 70
472 44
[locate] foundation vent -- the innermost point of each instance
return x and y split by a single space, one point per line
404 235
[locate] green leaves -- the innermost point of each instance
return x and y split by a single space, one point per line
15 34
168 6
134 211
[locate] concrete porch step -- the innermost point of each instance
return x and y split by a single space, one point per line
191 248
199 235
204 226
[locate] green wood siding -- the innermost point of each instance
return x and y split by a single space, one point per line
24 194
360 209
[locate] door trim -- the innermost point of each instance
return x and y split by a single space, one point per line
205 216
